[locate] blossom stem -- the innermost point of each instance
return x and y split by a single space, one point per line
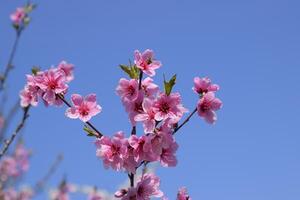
8 142
8 119
133 130
98 134
140 79
131 178
185 121
9 65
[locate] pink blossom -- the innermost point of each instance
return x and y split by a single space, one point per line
29 95
83 108
148 187
183 195
142 148
68 69
168 157
164 146
52 82
128 89
204 85
168 106
130 164
147 117
146 62
22 157
113 150
8 168
134 107
27 98
150 89
18 16
207 106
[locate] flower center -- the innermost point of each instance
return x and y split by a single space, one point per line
165 107
52 85
204 107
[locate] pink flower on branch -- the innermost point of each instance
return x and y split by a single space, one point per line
52 82
183 195
128 89
146 62
204 85
168 106
150 89
18 16
146 188
142 148
83 108
68 69
207 106
147 117
113 150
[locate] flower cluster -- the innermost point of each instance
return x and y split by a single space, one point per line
208 103
13 166
158 111
183 195
12 194
20 17
147 187
47 85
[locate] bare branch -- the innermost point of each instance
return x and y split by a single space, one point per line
8 142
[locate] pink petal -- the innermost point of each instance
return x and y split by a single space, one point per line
72 113
77 99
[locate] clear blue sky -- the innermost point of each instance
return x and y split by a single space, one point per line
250 48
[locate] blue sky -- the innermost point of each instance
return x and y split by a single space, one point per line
250 48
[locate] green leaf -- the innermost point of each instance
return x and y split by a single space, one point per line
169 84
132 71
89 132
35 70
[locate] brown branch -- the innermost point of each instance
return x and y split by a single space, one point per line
8 142
98 134
185 121
7 119
9 65
140 79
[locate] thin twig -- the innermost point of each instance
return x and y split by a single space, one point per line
19 127
98 133
9 65
7 119
140 79
133 131
41 183
185 121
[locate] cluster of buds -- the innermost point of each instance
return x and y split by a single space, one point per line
20 18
